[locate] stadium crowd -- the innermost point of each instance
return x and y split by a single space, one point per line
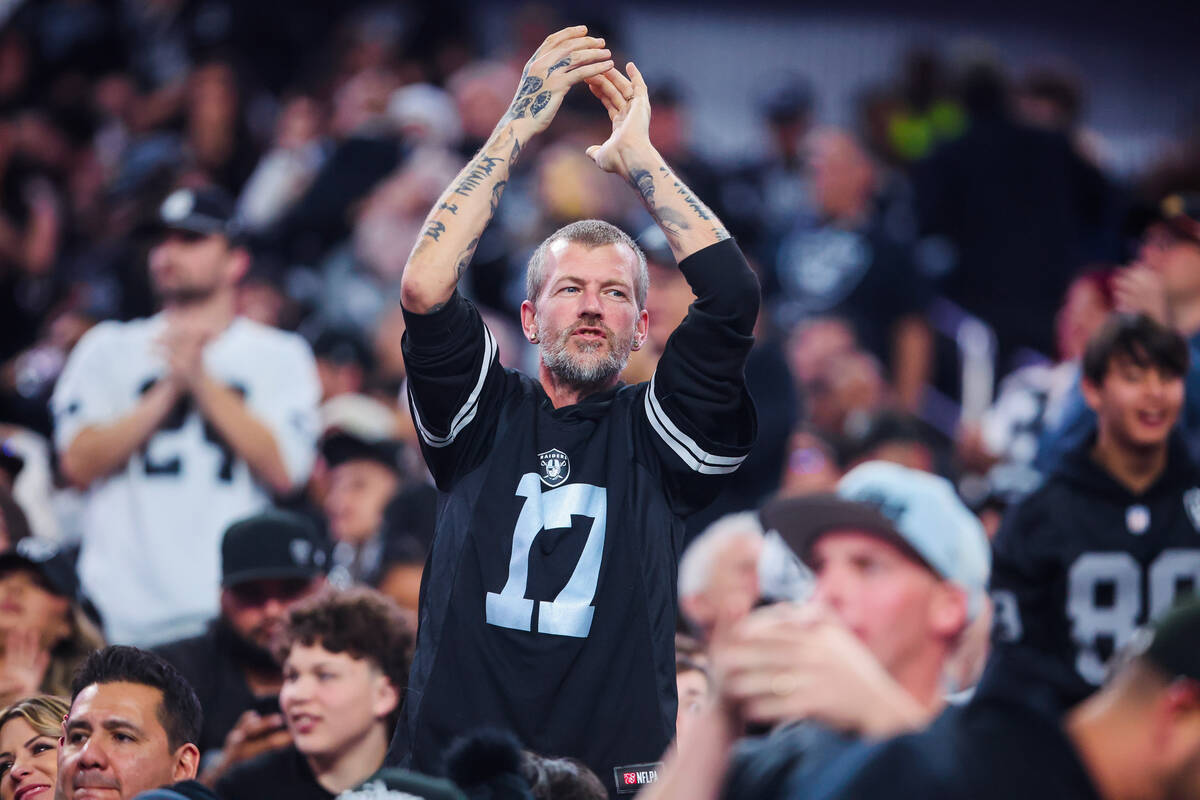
263 312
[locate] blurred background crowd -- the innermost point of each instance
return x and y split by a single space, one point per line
936 242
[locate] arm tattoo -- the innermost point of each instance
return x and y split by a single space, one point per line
516 151
435 230
464 258
564 63
481 169
539 103
451 207
497 190
643 181
525 95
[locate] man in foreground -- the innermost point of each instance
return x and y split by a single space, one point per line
547 606
133 726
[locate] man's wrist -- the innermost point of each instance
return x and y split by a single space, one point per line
641 156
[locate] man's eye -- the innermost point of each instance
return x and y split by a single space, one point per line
77 738
618 293
570 289
123 737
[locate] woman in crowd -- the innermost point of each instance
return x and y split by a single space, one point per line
29 731
45 632
346 664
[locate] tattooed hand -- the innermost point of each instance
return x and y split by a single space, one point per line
628 104
564 59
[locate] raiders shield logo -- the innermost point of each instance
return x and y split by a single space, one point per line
555 467
1191 503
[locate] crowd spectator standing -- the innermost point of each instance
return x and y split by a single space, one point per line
574 443
179 424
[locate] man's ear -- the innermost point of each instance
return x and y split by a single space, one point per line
387 697
238 264
187 762
948 611
529 321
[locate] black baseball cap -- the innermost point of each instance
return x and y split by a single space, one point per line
272 545
1173 643
46 559
205 211
339 447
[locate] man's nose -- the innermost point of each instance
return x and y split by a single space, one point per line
93 755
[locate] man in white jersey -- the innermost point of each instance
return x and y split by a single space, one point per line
178 425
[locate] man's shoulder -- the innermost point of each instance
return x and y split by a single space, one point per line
111 336
273 771
250 333
193 655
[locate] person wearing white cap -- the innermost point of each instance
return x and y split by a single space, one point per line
901 569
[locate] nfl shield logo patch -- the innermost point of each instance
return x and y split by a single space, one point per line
1191 503
555 467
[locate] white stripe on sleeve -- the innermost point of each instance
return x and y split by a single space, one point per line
467 412
684 446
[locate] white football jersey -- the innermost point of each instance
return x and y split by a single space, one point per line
150 556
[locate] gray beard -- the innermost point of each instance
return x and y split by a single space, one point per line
583 372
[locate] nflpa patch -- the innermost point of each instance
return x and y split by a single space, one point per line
632 778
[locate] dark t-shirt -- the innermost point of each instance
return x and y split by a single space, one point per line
983 751
762 767
210 666
281 773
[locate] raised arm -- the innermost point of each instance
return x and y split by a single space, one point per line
688 223
453 227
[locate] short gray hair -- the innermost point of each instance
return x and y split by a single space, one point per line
591 233
696 566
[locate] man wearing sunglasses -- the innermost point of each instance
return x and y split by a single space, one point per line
269 562
179 424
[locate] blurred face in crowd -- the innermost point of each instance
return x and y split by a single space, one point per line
732 586
843 177
1081 315
332 701
359 491
667 302
1176 258
1135 406
114 745
188 268
586 317
894 605
26 604
257 610
28 761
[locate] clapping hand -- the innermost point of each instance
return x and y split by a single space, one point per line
628 104
565 58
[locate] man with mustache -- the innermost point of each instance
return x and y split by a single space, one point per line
269 563
133 726
547 606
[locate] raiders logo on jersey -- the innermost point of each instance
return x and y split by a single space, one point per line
555 467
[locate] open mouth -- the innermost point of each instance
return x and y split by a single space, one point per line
304 723
32 791
1152 419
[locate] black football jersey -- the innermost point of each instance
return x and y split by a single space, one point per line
1079 566
547 605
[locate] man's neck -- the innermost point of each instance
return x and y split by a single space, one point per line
1100 736
567 394
214 312
1135 469
339 772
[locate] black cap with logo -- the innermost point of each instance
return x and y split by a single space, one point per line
55 567
275 544
203 211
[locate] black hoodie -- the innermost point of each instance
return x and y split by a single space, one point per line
1079 566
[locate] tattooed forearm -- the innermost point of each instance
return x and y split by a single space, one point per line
479 171
683 191
435 230
497 190
451 207
643 181
464 258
